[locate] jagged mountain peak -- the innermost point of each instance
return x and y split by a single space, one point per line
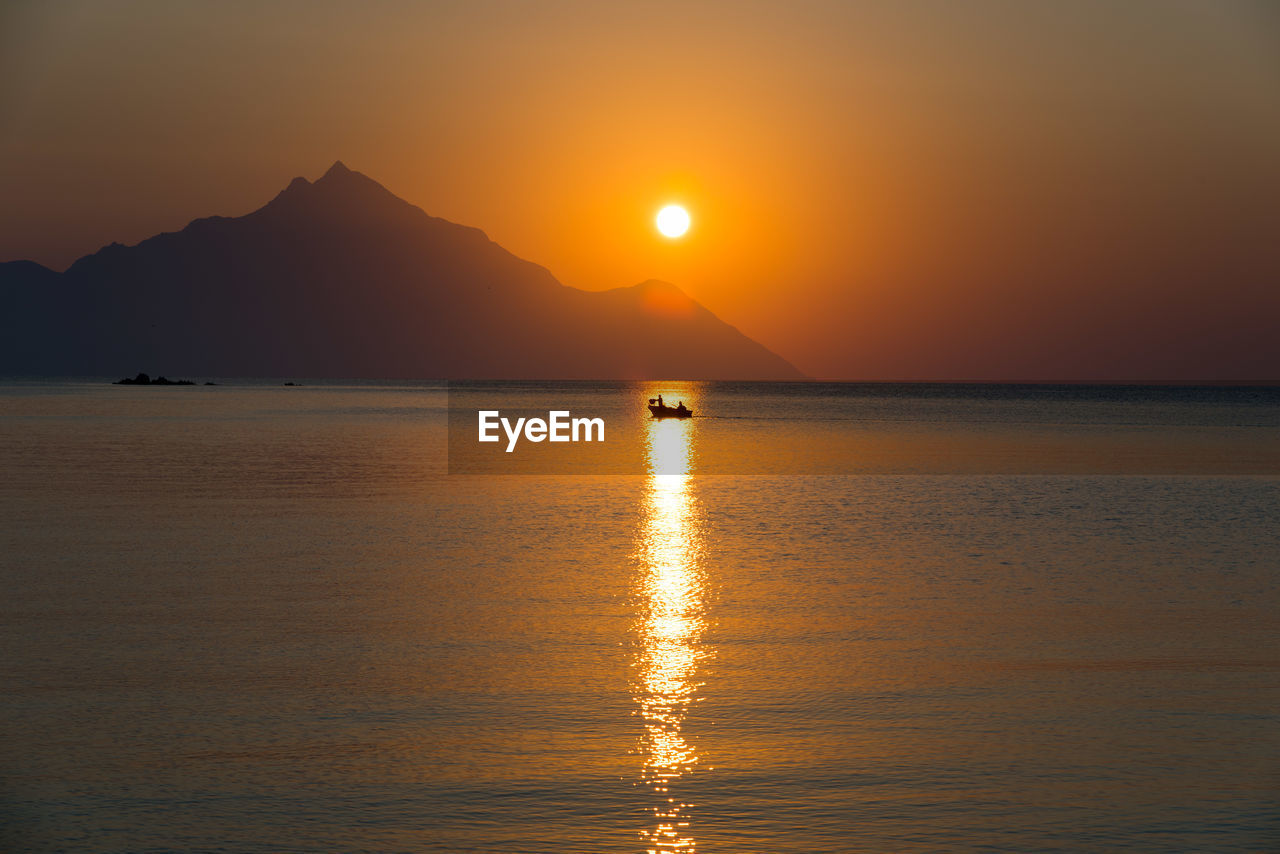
337 170
337 186
342 278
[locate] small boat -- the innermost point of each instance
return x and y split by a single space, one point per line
661 410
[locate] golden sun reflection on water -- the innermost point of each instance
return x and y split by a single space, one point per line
672 594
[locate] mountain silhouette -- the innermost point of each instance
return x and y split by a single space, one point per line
341 278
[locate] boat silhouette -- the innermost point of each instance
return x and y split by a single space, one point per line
661 410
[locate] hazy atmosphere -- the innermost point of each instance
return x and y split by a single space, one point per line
544 427
997 191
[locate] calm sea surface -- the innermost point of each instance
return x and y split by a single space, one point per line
815 618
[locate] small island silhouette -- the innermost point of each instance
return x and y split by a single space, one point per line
144 379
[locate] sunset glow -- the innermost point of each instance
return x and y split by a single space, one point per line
881 193
666 427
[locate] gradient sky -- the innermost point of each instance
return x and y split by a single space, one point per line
1037 191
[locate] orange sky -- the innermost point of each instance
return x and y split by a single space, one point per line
1039 191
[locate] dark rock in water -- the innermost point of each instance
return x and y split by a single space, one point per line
144 379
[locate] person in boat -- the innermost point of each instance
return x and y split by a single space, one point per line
680 407
659 400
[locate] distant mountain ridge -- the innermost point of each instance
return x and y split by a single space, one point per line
341 278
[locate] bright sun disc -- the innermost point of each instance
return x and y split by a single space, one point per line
673 221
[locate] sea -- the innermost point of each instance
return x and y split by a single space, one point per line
814 617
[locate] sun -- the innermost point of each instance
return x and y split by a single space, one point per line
673 221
